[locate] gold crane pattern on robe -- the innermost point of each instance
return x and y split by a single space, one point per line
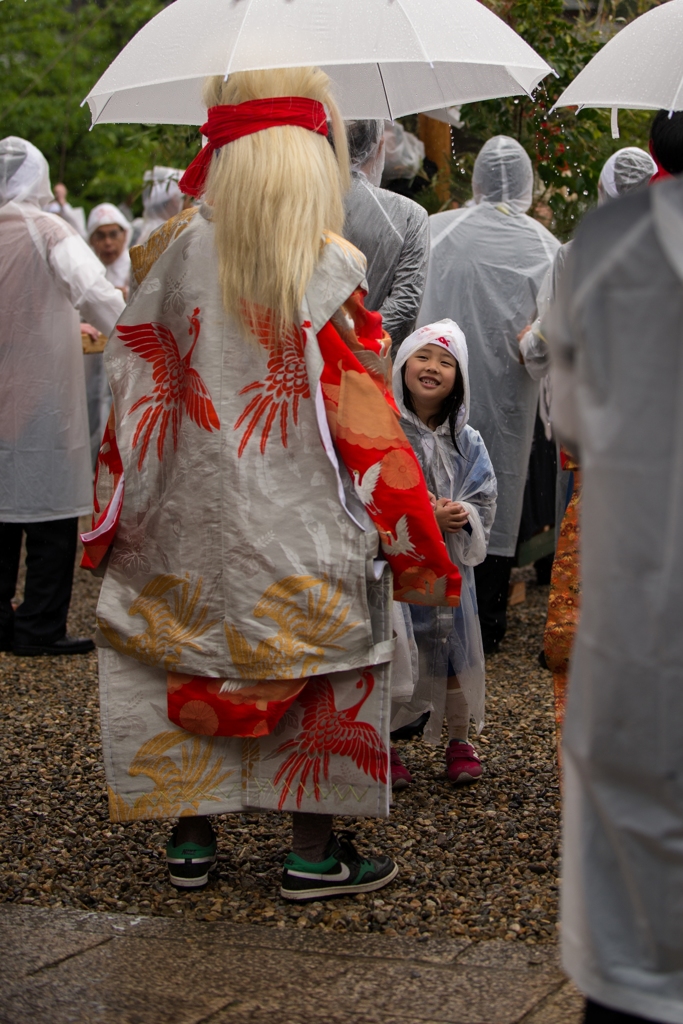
305 633
178 788
174 619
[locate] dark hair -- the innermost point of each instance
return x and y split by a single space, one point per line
450 407
666 136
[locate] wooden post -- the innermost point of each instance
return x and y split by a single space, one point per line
437 142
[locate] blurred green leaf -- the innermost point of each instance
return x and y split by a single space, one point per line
51 54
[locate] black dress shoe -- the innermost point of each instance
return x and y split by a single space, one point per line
412 730
67 645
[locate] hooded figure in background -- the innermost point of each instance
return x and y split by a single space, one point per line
161 200
390 230
615 334
487 262
108 233
47 272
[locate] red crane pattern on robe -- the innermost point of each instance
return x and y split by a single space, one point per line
325 731
177 387
281 391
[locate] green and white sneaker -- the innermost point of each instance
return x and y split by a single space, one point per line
189 864
343 871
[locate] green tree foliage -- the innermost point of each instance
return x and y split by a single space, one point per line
51 54
568 150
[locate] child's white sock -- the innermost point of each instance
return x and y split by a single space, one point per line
457 715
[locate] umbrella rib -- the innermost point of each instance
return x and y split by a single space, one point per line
386 95
246 15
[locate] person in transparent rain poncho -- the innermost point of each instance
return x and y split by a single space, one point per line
161 200
431 389
391 230
486 265
615 334
47 273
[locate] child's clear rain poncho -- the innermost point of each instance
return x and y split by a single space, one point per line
466 476
486 265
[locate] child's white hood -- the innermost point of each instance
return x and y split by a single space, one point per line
448 334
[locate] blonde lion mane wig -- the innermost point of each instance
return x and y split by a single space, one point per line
274 194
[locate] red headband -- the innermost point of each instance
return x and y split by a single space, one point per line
233 121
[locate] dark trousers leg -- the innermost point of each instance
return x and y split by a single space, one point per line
492 580
597 1014
50 556
10 552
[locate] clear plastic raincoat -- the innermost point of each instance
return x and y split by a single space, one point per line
616 337
467 476
161 199
393 233
486 265
46 269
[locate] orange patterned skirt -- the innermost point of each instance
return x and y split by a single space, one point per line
564 602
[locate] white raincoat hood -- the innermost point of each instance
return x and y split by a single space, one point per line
107 213
503 174
448 334
626 170
24 173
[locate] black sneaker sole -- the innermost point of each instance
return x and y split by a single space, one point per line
52 652
199 882
337 890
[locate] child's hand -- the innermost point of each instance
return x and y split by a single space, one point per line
450 515
432 500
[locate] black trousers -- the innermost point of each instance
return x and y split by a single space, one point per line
597 1014
50 556
492 579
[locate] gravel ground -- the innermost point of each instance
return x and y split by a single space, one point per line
479 862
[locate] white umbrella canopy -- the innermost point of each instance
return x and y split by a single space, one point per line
387 58
640 68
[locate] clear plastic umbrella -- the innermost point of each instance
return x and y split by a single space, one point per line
640 68
387 58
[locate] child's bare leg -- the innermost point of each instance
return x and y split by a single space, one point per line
462 763
457 711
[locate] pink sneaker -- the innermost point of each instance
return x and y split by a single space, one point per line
462 764
400 776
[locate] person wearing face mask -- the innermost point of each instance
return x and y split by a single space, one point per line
109 236
47 272
486 264
390 230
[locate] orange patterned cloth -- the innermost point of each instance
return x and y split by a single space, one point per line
564 603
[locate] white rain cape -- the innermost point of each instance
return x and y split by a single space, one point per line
449 634
486 265
46 269
616 337
392 232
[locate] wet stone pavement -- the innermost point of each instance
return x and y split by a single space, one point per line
478 865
